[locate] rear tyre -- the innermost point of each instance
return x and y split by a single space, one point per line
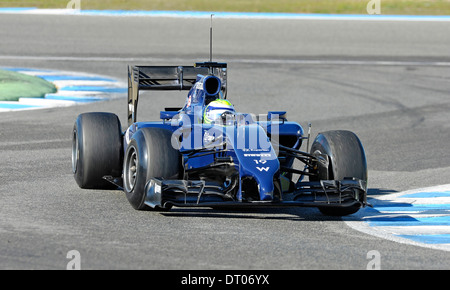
346 159
96 149
149 155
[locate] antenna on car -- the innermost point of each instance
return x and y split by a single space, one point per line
210 39
214 67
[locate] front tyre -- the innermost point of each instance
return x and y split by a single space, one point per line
346 159
149 155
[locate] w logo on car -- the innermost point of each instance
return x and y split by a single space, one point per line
262 168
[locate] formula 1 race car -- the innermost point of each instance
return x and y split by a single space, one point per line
205 154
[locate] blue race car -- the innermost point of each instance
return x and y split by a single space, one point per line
205 154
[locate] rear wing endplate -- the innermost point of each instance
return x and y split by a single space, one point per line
167 78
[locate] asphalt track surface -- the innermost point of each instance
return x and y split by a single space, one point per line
388 81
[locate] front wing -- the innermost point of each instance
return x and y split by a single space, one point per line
184 193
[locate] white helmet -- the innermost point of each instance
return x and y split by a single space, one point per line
213 113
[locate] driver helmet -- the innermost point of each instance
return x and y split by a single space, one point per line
216 110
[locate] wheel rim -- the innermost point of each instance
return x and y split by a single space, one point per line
75 151
130 171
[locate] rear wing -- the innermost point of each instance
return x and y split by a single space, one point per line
167 78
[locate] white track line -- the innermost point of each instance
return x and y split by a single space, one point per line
418 217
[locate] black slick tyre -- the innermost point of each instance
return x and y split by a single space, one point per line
149 155
96 149
347 159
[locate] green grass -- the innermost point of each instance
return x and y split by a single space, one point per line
411 7
15 85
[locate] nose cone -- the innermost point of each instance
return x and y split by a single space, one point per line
257 158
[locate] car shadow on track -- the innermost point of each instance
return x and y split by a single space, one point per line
379 191
292 214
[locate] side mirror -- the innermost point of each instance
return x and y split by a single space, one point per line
276 116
